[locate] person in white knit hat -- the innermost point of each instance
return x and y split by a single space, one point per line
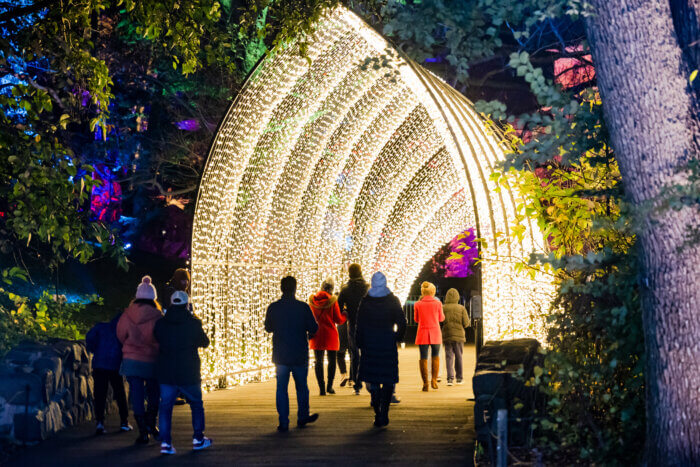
140 351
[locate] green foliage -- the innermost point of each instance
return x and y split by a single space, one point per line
40 320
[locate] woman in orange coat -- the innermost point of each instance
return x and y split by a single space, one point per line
428 314
325 308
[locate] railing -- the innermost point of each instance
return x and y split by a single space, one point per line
412 299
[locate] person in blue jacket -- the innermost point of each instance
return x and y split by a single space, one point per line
106 351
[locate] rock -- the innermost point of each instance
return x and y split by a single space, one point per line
54 364
13 388
29 427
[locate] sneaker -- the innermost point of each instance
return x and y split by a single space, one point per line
283 428
99 429
459 381
395 400
125 427
200 444
449 382
330 390
309 419
357 392
343 382
166 448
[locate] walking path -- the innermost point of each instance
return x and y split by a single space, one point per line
434 428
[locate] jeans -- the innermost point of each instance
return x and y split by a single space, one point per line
434 350
140 390
318 366
102 378
193 395
354 360
300 374
453 359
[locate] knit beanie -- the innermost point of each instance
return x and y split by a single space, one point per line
354 271
179 298
146 290
426 288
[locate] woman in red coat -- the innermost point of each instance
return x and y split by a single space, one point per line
325 308
428 314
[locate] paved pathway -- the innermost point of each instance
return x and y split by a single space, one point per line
434 428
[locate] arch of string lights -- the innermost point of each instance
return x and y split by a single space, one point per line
352 154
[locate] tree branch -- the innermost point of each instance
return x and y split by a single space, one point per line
24 11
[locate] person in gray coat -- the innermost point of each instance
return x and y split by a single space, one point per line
453 338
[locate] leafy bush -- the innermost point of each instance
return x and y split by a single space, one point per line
40 320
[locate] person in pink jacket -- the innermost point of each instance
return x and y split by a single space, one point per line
428 314
140 352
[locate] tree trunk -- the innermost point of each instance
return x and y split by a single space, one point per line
649 107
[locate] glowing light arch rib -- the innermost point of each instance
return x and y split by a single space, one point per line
327 161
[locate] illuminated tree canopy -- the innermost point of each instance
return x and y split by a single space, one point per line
351 154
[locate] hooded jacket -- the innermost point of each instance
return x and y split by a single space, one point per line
349 299
456 318
376 338
427 312
179 335
106 349
327 313
135 331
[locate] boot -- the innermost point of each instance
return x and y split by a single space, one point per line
376 406
423 364
435 366
143 430
384 404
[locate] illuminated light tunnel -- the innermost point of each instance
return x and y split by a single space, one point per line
352 154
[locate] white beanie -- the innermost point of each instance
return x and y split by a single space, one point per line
179 298
145 290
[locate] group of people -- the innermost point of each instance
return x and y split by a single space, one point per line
370 319
156 350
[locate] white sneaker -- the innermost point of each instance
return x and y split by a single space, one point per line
449 382
459 381
166 448
198 445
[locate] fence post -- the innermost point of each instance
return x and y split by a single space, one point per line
502 433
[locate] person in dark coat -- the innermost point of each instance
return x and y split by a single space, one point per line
379 313
180 335
291 323
106 351
349 301
179 281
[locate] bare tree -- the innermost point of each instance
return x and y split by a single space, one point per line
643 53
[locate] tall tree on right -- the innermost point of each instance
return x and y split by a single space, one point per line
644 53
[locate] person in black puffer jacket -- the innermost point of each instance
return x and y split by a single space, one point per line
179 334
349 301
379 312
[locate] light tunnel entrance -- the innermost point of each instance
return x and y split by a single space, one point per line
354 154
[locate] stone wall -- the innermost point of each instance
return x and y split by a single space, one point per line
44 388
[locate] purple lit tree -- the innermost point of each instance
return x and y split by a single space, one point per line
457 258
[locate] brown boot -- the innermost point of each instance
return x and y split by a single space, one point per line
435 366
423 364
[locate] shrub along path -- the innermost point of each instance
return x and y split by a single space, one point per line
434 428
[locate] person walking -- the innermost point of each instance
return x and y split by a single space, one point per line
381 324
325 308
140 350
179 281
428 314
291 322
342 351
456 319
106 351
179 334
349 301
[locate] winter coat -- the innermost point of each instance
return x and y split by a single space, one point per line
179 335
456 318
427 312
290 321
106 349
135 331
325 308
376 338
349 299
